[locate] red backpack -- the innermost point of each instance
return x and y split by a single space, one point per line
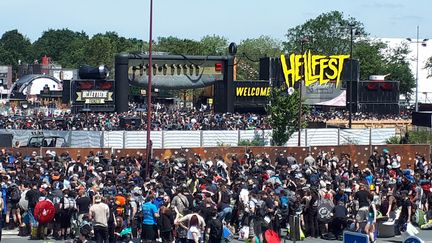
271 236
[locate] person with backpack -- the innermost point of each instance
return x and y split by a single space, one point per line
13 198
180 202
135 204
215 228
67 207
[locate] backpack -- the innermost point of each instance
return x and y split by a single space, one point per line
325 209
260 208
15 195
271 236
69 203
216 229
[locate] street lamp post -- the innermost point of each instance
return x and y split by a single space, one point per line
350 86
303 41
149 93
417 42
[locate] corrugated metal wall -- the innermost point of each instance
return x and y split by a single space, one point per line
193 139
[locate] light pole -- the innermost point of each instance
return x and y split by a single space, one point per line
303 41
149 93
417 42
350 86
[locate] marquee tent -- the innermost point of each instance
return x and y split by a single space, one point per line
338 101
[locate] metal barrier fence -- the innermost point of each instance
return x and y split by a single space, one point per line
193 139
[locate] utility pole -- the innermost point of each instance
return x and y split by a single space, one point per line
303 41
149 94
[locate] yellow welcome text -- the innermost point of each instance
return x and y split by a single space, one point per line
252 91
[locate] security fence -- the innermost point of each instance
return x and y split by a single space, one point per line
192 139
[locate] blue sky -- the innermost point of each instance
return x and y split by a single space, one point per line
234 19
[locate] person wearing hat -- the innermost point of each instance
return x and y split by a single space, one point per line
99 214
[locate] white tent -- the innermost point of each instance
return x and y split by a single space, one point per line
339 101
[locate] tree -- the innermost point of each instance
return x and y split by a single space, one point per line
329 34
100 50
213 45
283 114
249 53
176 46
398 67
6 58
121 44
57 44
371 57
14 47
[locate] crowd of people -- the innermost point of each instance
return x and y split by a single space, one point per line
324 116
162 119
166 118
249 196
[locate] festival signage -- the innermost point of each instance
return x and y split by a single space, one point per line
252 91
94 96
318 69
251 95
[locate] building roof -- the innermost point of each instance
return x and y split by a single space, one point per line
27 79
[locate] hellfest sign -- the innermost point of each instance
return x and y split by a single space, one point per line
318 70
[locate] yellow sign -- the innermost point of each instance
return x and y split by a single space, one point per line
252 91
317 68
94 96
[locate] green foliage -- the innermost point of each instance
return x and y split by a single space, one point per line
420 137
370 55
283 114
393 140
100 50
258 140
58 45
209 45
397 66
328 34
250 51
13 47
213 45
414 137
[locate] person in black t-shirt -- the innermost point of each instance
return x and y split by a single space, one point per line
363 198
215 228
83 204
32 197
405 214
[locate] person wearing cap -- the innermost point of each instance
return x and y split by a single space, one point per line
99 213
